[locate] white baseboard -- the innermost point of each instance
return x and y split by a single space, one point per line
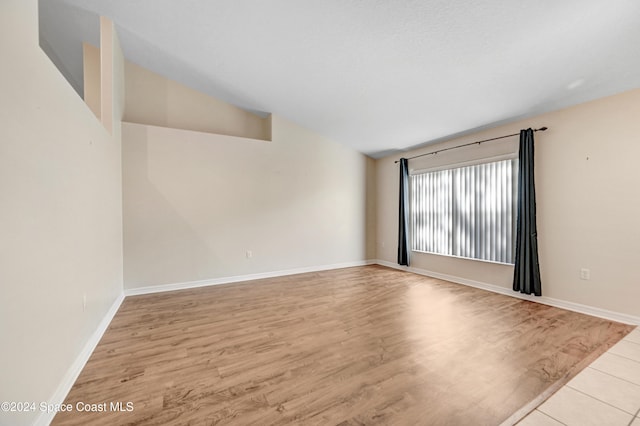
74 370
558 303
239 278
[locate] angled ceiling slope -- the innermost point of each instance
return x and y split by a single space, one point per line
378 76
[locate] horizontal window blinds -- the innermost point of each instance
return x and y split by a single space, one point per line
466 211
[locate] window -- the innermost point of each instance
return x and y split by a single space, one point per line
466 211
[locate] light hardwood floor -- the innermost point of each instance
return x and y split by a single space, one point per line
366 345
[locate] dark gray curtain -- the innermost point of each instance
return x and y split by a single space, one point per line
403 214
526 278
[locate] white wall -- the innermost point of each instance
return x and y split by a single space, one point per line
158 101
91 76
587 181
60 217
194 203
112 79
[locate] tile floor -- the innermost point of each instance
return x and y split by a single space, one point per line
605 393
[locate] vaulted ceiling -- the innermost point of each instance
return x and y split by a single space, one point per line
377 75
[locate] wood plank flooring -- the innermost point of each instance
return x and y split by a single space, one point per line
365 345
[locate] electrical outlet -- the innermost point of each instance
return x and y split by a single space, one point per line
249 254
585 274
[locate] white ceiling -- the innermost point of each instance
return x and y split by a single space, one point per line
377 75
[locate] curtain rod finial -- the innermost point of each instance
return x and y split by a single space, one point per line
542 129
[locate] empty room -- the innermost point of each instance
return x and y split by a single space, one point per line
319 213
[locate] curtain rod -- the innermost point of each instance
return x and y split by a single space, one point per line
541 129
